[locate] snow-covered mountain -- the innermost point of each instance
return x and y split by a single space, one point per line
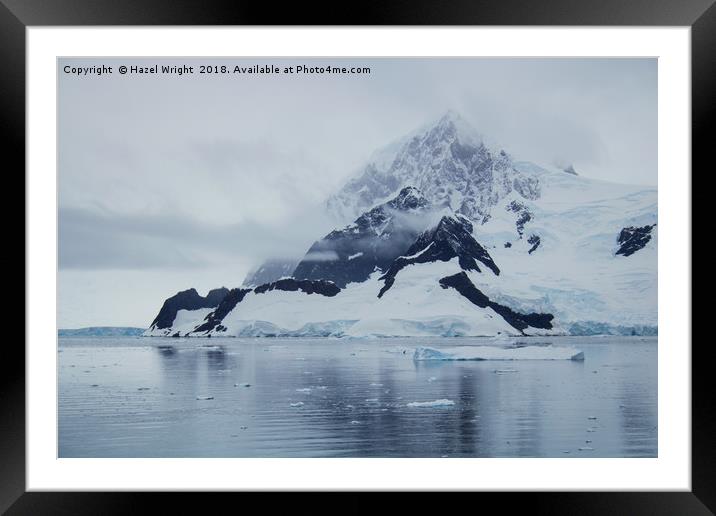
452 236
450 163
429 289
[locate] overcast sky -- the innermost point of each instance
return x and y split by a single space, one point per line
170 182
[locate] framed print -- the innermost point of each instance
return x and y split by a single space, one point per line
397 255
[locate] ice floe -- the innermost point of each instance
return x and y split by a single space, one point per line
498 353
436 403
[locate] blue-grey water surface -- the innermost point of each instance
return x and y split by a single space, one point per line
152 397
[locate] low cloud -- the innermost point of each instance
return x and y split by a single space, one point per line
99 239
321 256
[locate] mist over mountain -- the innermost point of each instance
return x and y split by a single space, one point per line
443 233
450 163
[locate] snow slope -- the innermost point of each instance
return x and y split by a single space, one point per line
416 305
574 273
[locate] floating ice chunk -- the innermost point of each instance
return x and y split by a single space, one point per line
376 385
305 390
592 417
242 385
586 448
142 388
505 371
432 379
355 422
372 400
297 404
497 353
436 403
205 397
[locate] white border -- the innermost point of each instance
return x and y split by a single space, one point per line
671 470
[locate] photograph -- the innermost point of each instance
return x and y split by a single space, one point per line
388 257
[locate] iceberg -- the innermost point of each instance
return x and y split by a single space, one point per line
498 353
436 403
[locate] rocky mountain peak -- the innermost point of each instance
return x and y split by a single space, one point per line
409 198
450 163
452 127
373 240
450 238
187 300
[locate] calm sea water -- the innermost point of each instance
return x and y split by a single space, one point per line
140 397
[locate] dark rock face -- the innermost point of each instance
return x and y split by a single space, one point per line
464 286
322 287
535 241
570 170
523 215
187 300
225 301
231 299
451 238
270 270
631 239
214 297
373 241
508 244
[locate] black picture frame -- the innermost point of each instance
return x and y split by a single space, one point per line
17 15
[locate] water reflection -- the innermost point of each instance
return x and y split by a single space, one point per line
351 398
